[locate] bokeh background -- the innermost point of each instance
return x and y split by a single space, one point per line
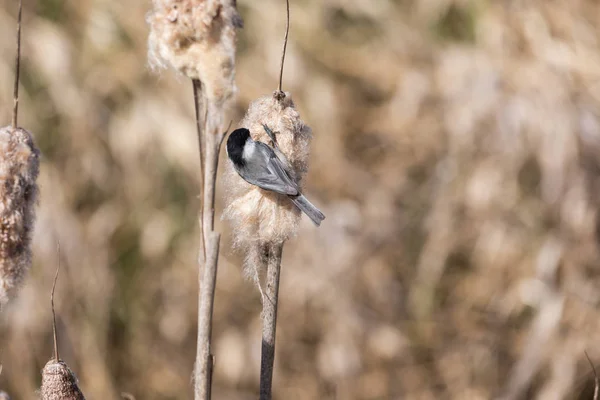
456 154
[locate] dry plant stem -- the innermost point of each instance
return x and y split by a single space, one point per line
212 144
212 141
279 94
204 358
197 85
269 317
17 69
56 355
596 382
270 298
285 40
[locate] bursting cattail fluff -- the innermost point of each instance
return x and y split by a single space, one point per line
197 38
263 218
19 168
59 382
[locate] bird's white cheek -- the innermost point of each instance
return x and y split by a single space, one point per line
249 150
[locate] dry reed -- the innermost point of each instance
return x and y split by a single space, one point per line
19 169
197 38
263 220
58 381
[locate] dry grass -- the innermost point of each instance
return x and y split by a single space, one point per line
455 153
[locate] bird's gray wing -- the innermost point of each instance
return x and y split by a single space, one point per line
272 175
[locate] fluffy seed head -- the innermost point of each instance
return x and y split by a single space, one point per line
59 383
260 217
19 168
197 38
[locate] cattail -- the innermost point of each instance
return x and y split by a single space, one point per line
197 38
59 382
262 218
19 168
4 395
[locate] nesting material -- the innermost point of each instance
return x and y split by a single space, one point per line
261 218
59 382
19 168
197 38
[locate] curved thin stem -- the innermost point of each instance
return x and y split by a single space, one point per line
56 355
596 384
287 31
17 69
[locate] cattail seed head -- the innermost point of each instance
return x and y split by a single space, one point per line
4 395
19 168
59 382
260 217
197 38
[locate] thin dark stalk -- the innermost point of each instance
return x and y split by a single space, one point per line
56 355
270 302
270 296
197 85
17 69
596 381
285 40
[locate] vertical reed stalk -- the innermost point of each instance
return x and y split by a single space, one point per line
271 293
197 38
54 332
210 140
19 165
58 381
204 357
269 330
17 70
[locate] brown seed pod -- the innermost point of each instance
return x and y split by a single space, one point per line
59 382
197 38
261 217
19 168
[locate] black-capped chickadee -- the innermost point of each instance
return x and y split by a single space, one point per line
262 166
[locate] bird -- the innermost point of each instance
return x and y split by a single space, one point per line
268 168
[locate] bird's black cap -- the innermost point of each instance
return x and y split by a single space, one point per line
235 145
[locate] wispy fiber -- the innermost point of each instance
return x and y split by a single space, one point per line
259 217
19 168
263 220
197 38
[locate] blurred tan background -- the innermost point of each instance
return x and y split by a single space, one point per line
456 154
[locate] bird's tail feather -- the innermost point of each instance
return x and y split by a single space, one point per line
307 208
